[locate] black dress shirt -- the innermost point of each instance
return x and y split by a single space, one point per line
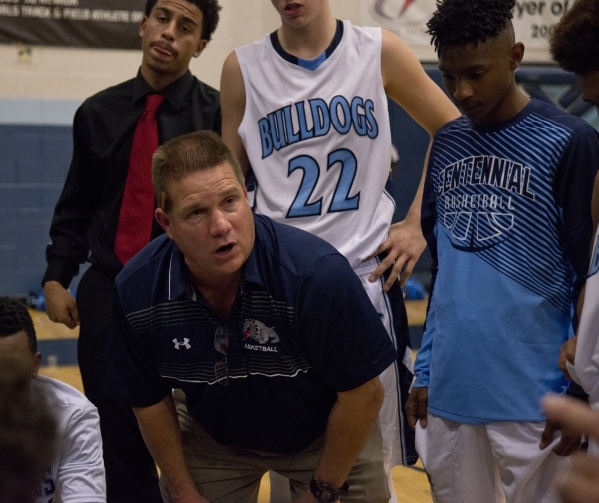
86 215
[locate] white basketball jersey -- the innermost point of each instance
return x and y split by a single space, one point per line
77 472
586 360
319 141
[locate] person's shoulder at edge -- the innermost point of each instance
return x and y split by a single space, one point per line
60 393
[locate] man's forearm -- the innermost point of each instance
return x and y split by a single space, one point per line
349 426
160 429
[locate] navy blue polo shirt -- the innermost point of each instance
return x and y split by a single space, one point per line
302 329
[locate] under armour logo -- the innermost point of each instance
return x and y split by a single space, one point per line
184 343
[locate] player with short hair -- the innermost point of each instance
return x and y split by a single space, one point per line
76 470
506 216
306 109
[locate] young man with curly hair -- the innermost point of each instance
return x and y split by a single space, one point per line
506 216
574 46
105 212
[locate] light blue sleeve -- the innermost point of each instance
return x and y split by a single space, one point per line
423 358
429 229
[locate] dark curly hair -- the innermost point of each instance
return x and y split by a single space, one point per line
27 433
463 22
14 317
210 12
575 40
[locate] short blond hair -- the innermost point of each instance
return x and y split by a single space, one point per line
188 154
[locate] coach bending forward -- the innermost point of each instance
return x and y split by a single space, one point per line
265 328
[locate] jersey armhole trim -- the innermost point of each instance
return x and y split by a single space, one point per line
379 70
245 79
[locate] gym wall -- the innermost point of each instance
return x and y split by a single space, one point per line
41 87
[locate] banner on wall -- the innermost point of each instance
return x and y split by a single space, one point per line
107 24
533 23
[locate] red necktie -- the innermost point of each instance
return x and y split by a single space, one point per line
134 229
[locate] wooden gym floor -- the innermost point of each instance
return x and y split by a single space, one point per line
411 484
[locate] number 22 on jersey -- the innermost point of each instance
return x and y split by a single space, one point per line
341 201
